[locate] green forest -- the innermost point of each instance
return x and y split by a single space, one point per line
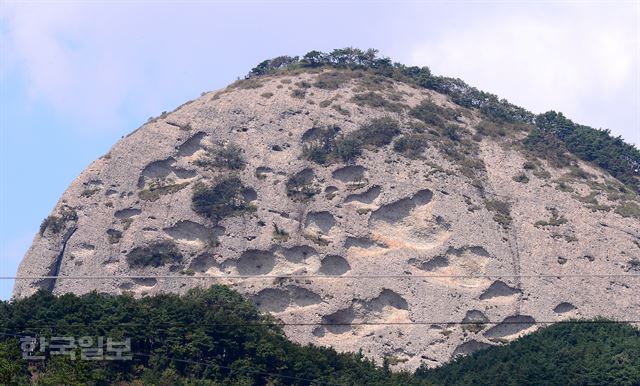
216 337
595 352
207 337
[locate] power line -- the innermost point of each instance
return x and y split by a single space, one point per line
153 325
405 276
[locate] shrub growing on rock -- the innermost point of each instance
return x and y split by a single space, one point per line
347 149
555 220
375 100
378 132
300 187
333 80
453 132
341 110
54 223
521 178
328 147
155 255
490 129
321 146
160 188
501 210
299 93
224 199
432 114
548 147
57 223
628 209
230 156
411 145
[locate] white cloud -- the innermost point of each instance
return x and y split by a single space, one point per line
56 48
569 61
94 62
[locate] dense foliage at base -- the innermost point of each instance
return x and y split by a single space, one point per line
206 337
552 135
216 337
564 354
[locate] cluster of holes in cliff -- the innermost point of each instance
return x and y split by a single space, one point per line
298 253
469 347
366 197
163 169
341 321
190 232
510 326
442 261
279 299
263 262
127 213
255 262
334 265
353 173
475 316
322 221
203 262
137 283
399 210
191 145
564 307
499 289
362 242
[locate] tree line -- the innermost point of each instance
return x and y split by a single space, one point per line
551 136
215 336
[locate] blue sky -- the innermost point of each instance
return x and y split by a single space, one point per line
76 76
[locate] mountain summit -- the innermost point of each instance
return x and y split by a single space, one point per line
366 204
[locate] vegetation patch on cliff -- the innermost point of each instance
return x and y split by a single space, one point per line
160 188
230 156
328 146
224 199
551 136
55 224
154 255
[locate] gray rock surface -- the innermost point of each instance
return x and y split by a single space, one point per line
384 214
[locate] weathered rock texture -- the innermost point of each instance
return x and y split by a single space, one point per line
383 214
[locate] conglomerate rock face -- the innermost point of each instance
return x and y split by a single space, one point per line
441 243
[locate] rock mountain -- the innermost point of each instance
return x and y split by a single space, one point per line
362 209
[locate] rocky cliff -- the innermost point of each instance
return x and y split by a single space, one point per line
364 212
